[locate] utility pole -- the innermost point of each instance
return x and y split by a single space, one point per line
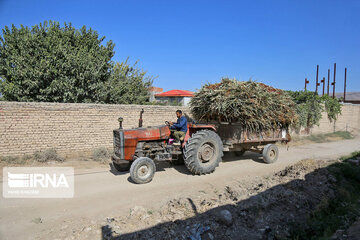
333 83
345 85
328 83
317 78
323 82
306 82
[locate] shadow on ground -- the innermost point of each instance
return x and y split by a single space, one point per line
181 168
230 157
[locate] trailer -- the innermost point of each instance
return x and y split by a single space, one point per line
237 139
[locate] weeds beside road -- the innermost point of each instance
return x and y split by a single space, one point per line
98 157
321 138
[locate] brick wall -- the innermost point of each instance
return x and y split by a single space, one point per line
28 127
349 120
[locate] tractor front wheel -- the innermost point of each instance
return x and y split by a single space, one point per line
203 152
142 170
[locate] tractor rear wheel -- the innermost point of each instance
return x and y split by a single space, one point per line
270 153
203 152
142 170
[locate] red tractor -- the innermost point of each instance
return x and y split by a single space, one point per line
201 149
137 149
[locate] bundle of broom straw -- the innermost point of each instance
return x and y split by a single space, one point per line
254 105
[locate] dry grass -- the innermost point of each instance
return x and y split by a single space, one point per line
47 156
322 138
101 155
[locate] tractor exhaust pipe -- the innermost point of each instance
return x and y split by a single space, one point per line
140 119
120 119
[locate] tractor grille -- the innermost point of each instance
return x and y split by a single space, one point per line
116 139
119 143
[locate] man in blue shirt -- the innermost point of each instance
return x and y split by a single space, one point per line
180 127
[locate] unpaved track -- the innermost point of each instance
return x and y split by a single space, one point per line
99 193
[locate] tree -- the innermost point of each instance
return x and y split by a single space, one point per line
53 64
127 85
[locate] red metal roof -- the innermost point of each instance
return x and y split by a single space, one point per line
176 93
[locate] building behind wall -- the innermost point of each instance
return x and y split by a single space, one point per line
175 97
153 91
351 97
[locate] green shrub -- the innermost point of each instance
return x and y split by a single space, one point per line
352 155
310 106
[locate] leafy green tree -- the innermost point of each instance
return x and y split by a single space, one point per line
332 107
53 63
127 84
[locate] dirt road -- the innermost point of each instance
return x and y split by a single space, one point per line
102 193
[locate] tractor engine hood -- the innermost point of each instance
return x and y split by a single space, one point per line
148 134
125 141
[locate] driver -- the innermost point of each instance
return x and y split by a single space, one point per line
180 127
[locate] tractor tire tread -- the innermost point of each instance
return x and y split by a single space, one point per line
191 148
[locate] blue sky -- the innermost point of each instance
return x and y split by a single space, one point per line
189 43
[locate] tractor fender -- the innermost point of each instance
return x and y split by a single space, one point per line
193 128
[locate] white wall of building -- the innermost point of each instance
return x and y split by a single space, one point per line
186 101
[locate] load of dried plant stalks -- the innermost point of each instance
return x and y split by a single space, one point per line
255 105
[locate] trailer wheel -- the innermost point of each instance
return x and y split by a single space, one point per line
270 153
142 170
122 167
203 152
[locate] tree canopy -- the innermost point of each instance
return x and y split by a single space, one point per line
53 63
127 85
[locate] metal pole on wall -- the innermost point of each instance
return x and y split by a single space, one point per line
317 78
323 82
333 83
345 86
306 82
328 82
